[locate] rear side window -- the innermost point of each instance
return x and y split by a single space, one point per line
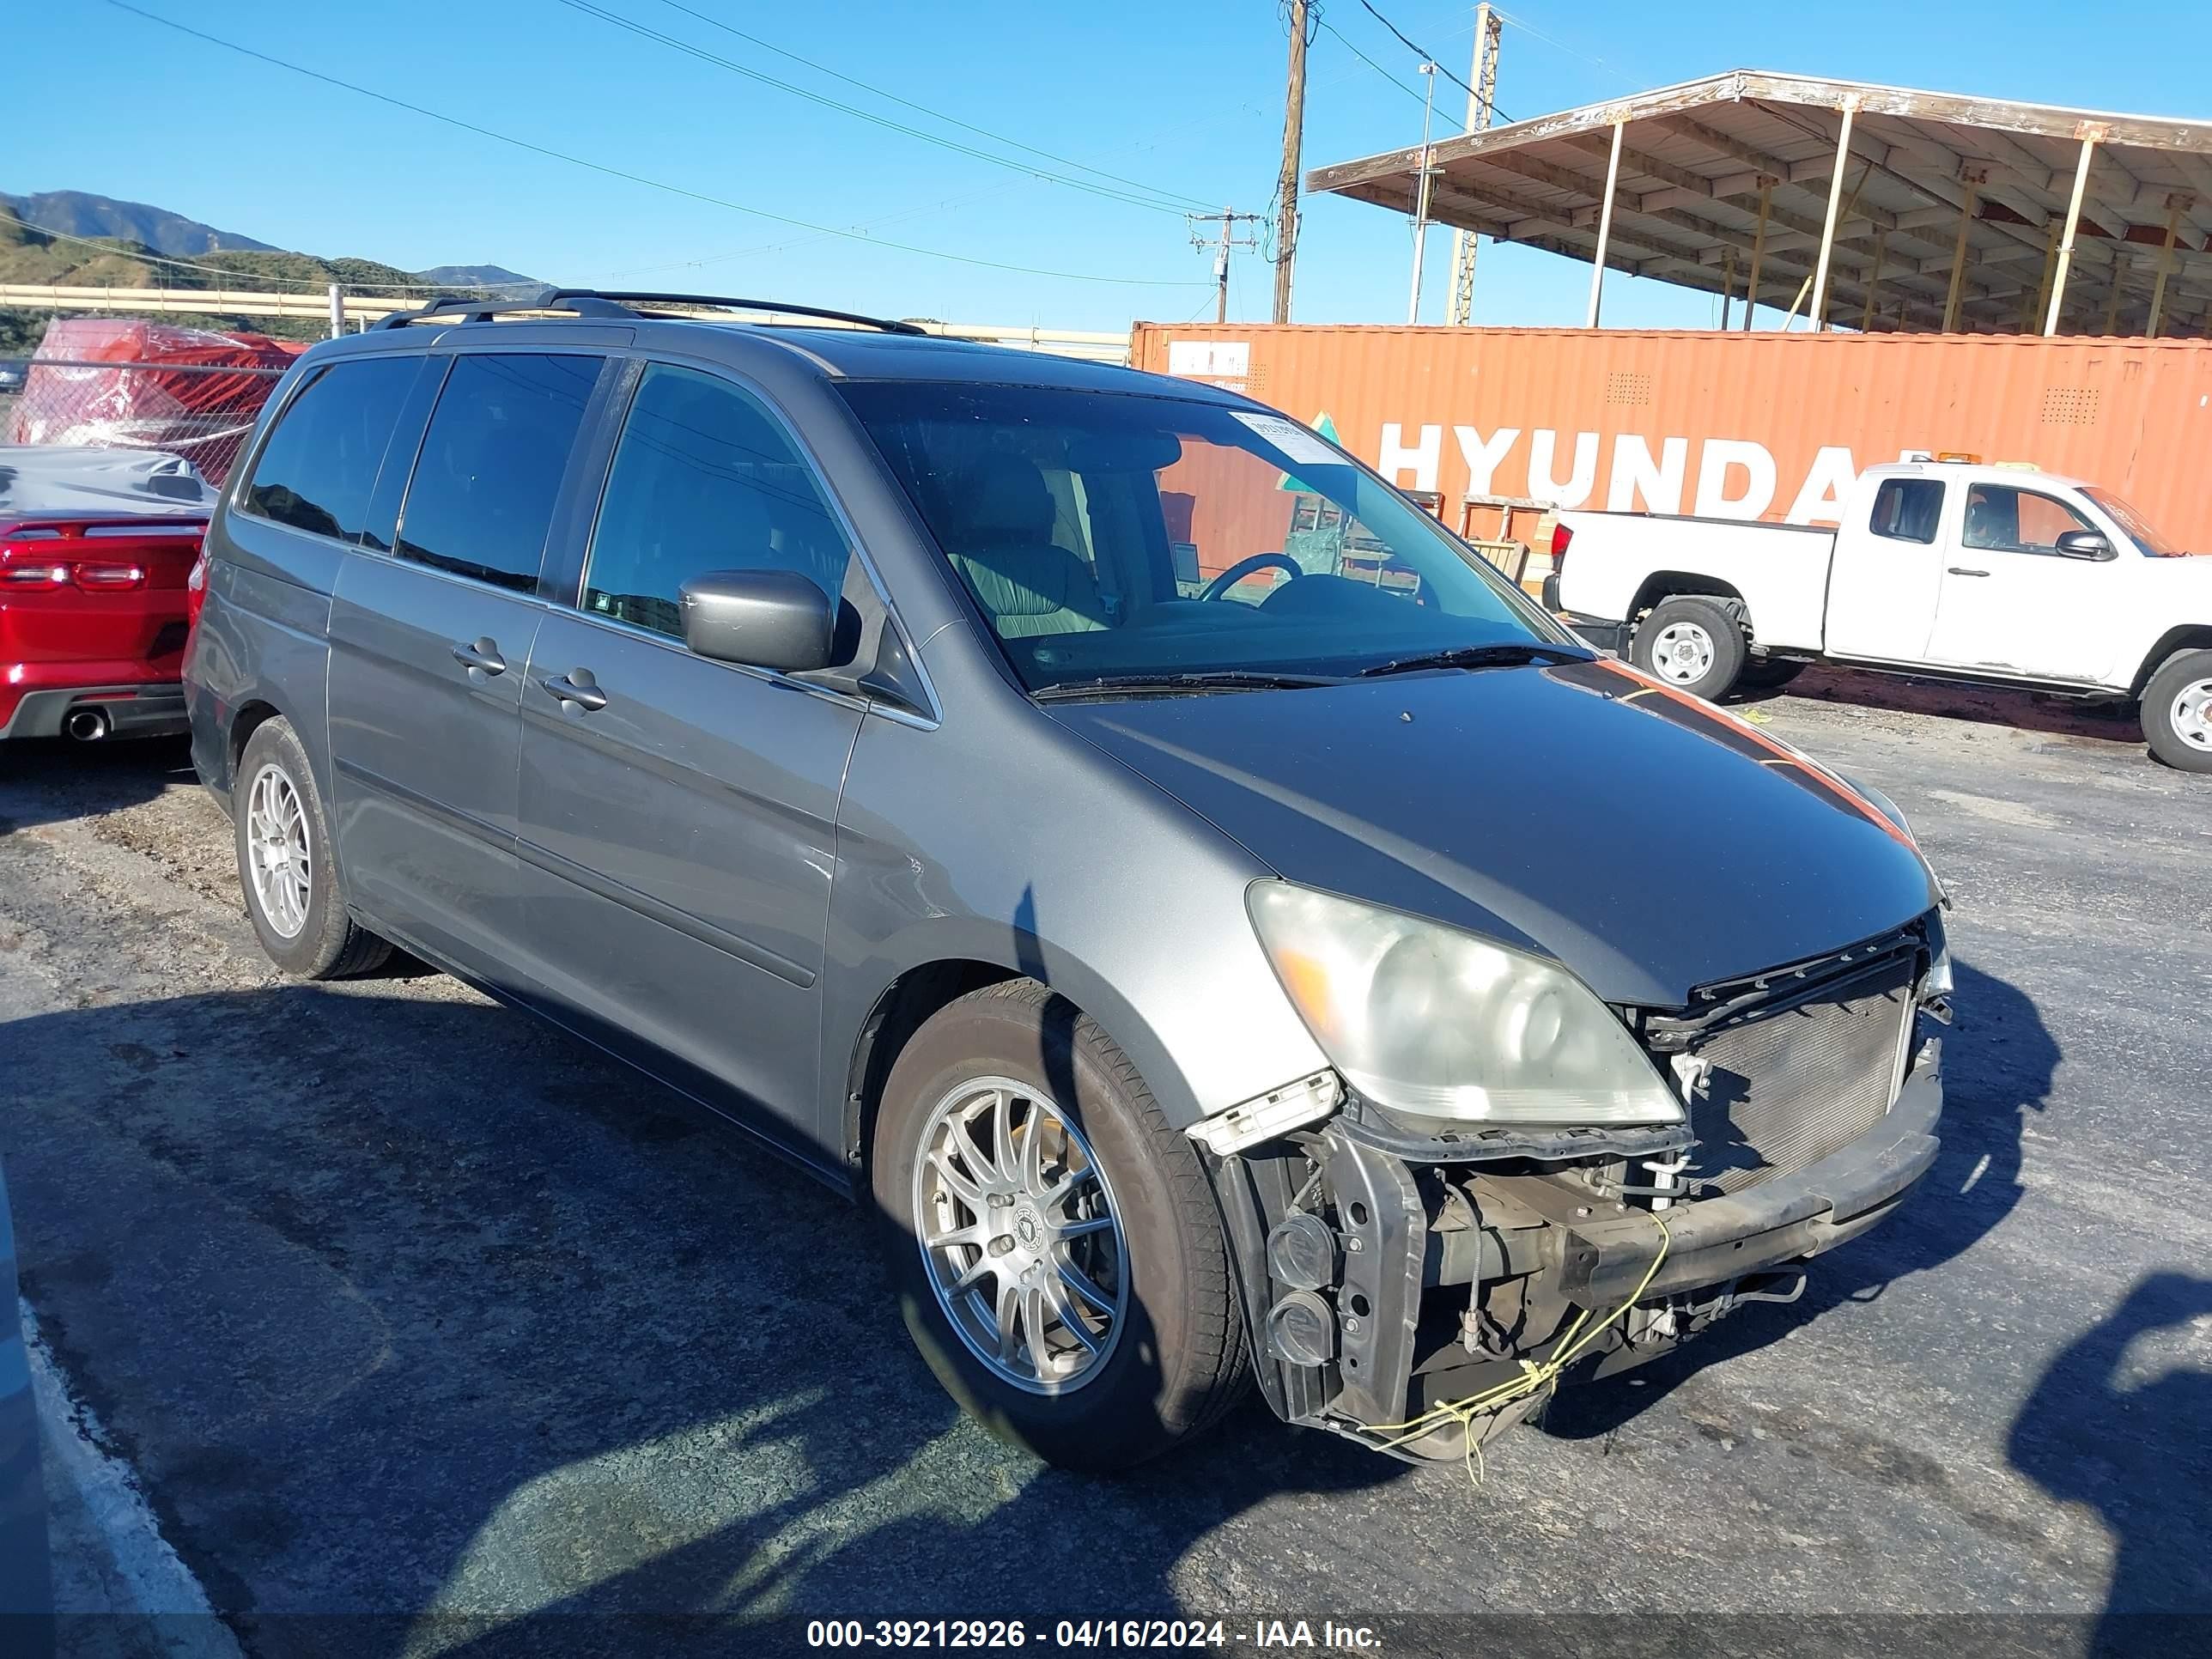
318 467
1906 509
703 479
481 501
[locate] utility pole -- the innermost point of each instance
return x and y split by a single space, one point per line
1228 219
1481 103
1421 198
1286 183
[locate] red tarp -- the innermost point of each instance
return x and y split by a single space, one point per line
205 418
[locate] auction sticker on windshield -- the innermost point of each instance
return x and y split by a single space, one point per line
1291 439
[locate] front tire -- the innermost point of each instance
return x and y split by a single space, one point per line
1058 1249
1692 644
2177 712
282 839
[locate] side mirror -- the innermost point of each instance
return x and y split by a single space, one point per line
2084 544
774 619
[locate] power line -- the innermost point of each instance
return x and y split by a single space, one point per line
675 43
1427 57
924 109
634 177
1344 41
1527 27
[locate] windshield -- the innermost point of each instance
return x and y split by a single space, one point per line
2137 527
1105 535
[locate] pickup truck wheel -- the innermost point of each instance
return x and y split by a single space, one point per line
1058 1248
2177 712
284 863
1692 644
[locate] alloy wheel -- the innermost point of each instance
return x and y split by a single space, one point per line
1682 653
278 851
1016 1226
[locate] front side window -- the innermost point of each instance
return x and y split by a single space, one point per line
481 502
703 480
1104 534
1907 509
2002 519
318 469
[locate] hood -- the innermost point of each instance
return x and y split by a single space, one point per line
1646 840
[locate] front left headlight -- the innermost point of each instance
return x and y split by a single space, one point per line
1438 1025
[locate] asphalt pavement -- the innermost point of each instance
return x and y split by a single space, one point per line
423 1329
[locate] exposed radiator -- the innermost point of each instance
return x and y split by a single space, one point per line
1790 1087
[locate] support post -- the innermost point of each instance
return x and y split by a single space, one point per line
2034 310
1421 200
1286 183
1819 312
1727 283
1873 280
1605 222
338 311
2173 205
2090 133
1960 251
1757 252
1488 27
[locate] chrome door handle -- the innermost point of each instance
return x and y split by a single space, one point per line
578 687
481 654
1956 571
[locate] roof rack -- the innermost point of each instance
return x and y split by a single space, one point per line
593 302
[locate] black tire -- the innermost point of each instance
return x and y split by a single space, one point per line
1721 631
328 944
1180 1360
2189 751
1768 673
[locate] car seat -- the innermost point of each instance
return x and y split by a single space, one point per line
1026 584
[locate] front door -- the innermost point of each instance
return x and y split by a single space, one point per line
2011 604
677 815
429 650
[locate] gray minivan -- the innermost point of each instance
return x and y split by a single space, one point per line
1219 926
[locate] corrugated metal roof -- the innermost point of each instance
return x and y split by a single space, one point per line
1696 157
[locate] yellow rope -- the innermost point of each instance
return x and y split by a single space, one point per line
1570 1347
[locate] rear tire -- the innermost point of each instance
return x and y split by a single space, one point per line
281 830
1692 644
2177 712
1170 1357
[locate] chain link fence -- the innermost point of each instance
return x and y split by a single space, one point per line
202 412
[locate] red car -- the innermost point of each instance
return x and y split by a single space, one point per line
97 551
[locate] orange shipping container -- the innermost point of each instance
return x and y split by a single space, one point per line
1762 425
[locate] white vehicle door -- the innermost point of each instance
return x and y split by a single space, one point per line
2012 604
1888 571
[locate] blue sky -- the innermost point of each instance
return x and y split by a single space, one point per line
1185 99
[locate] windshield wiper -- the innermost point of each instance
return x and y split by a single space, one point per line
1226 679
1509 653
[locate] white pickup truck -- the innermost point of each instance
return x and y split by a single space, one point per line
1998 575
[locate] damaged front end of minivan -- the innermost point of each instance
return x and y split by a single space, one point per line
1423 1260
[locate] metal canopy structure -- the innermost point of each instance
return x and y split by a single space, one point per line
1947 212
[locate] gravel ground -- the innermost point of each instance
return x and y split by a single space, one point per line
424 1328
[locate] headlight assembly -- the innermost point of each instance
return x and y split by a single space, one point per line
1438 1025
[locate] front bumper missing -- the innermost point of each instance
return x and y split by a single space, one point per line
1368 1331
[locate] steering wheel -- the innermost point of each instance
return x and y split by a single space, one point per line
1243 567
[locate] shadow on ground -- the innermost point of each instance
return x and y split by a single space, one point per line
49 780
2026 711
411 1310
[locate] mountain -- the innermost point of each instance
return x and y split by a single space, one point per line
70 239
74 213
493 276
